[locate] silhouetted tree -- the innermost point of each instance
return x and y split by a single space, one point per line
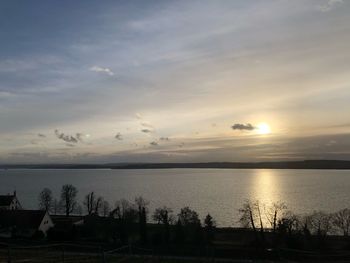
142 204
179 233
191 223
105 208
209 227
341 221
288 223
45 200
188 216
55 206
251 216
163 215
93 204
126 215
274 212
321 223
89 202
125 211
68 198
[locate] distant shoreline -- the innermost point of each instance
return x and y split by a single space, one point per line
306 164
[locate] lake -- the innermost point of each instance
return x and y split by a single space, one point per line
219 192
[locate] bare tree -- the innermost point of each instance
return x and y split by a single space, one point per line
105 208
209 227
45 200
89 201
68 198
92 203
341 220
98 205
274 212
320 223
188 216
141 203
162 215
55 206
251 216
247 218
289 222
124 210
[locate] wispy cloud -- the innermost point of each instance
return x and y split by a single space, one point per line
138 116
243 127
147 131
331 4
118 136
147 125
80 136
102 70
154 143
66 138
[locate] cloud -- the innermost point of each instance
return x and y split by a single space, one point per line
138 116
41 135
154 143
147 131
102 70
66 138
118 136
34 142
243 127
329 5
147 125
80 136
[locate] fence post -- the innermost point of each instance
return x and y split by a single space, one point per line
103 256
130 250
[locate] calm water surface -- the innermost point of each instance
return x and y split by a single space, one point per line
219 192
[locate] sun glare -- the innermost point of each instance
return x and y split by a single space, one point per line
263 128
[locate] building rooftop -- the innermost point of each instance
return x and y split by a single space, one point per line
21 218
5 200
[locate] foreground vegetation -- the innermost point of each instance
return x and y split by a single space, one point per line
264 231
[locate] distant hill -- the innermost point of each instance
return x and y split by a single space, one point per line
306 164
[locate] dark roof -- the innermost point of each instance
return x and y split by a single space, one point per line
21 218
5 200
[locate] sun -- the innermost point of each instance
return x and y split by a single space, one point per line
263 128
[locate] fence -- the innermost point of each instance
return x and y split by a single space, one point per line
73 253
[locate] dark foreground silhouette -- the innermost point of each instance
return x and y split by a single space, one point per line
128 231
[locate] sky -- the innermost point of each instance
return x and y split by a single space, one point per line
174 81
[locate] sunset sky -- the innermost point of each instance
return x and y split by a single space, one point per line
174 81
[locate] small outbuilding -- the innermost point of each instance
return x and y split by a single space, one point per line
9 202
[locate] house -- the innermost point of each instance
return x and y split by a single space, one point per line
24 223
63 221
9 202
66 227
